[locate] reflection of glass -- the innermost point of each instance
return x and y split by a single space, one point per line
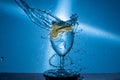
61 35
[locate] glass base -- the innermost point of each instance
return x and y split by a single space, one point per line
61 74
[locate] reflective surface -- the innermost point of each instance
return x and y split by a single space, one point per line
39 76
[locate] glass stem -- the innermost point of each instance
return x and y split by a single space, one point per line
61 62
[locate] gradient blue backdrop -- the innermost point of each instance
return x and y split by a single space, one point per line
97 46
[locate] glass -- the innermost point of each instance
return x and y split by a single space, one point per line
61 37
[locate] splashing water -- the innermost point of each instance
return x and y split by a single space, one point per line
43 18
57 28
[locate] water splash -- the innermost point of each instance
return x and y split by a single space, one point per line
43 18
65 29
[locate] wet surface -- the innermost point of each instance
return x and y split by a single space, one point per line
39 76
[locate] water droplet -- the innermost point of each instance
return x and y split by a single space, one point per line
1 58
81 30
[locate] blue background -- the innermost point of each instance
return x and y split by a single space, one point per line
96 46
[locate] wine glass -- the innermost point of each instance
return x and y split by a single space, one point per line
61 38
